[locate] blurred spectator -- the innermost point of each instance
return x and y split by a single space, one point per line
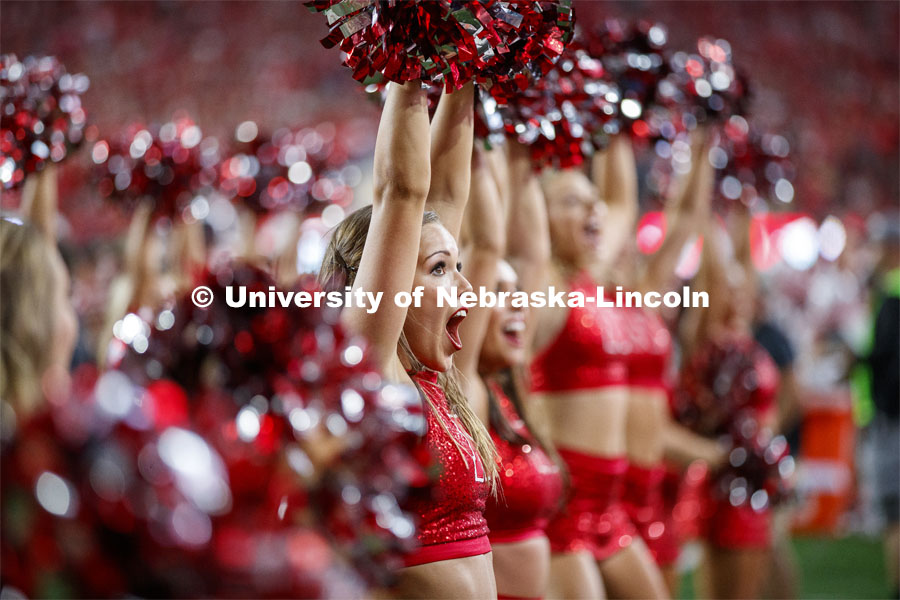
884 361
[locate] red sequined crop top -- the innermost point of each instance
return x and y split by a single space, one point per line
530 482
589 351
451 521
649 359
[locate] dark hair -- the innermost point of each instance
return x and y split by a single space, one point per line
511 382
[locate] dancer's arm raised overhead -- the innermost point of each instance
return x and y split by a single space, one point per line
527 231
739 226
484 248
452 132
389 258
686 214
615 174
40 201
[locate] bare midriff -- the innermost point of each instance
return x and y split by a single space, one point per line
471 577
647 408
589 421
522 568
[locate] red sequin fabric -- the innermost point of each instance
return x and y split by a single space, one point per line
530 481
648 362
454 509
590 350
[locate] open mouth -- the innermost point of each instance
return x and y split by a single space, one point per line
592 233
513 332
453 327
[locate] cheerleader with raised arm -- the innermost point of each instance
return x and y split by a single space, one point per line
493 360
652 435
720 348
580 374
394 246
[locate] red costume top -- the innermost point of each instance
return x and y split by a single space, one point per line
589 351
530 480
451 518
648 361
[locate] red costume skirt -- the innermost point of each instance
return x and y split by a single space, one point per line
643 503
593 518
738 527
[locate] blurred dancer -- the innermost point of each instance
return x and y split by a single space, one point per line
38 329
580 374
492 360
651 433
739 536
395 246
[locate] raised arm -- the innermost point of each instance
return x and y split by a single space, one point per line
615 174
739 229
40 201
527 231
486 241
711 277
452 132
389 258
685 215
498 163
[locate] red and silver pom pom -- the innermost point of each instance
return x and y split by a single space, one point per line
565 116
759 467
167 165
752 166
717 385
501 44
304 169
298 389
635 59
705 86
718 398
41 118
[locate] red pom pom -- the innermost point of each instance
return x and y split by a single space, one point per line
448 43
635 59
718 397
41 118
705 86
303 169
167 165
751 166
565 115
291 388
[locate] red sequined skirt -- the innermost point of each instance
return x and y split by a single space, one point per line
593 518
643 502
738 527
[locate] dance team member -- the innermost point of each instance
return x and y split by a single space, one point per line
38 327
580 374
492 361
394 246
739 538
651 433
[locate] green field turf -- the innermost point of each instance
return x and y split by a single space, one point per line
851 567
